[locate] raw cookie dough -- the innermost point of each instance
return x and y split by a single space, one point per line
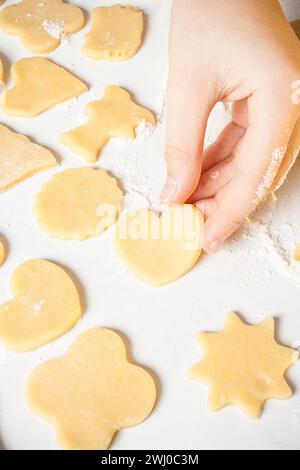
20 158
297 253
92 392
41 24
1 76
39 85
78 203
46 305
116 115
2 252
160 250
244 366
116 33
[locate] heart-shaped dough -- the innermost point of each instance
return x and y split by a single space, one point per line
160 250
46 305
92 392
39 84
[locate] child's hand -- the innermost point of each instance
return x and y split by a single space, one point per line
229 50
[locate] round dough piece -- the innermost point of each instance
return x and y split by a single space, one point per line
160 250
92 392
78 204
116 33
46 305
40 24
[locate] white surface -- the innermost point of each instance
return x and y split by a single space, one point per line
250 275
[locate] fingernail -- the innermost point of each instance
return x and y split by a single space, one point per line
214 247
169 191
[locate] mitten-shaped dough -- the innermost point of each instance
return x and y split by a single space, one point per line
116 33
40 24
20 158
39 84
116 115
92 392
46 305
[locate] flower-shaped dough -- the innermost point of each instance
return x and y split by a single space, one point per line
116 33
46 304
116 115
244 366
92 392
40 24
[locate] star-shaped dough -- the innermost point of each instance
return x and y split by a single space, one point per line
116 115
92 392
40 24
244 366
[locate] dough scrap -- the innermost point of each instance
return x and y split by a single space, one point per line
116 115
41 24
40 84
2 252
160 250
78 203
20 158
244 366
46 305
116 33
102 392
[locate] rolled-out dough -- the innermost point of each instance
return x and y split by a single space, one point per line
92 392
46 305
20 158
116 33
40 24
78 203
244 366
39 84
159 250
116 115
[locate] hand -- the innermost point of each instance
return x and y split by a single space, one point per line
243 52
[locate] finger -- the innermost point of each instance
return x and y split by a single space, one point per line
258 160
214 179
207 206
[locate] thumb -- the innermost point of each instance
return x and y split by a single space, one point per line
187 116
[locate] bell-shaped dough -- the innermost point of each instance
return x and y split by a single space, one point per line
116 33
39 84
116 115
159 250
46 305
92 392
78 203
20 158
41 24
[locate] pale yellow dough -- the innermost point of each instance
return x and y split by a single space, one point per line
20 158
297 253
78 203
46 305
40 24
116 115
116 33
1 76
244 366
2 252
92 392
39 84
160 250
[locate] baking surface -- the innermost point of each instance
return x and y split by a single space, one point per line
251 275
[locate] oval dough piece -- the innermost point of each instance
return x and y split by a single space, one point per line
116 33
46 305
115 115
2 252
92 392
243 365
20 158
41 24
78 203
39 84
160 250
